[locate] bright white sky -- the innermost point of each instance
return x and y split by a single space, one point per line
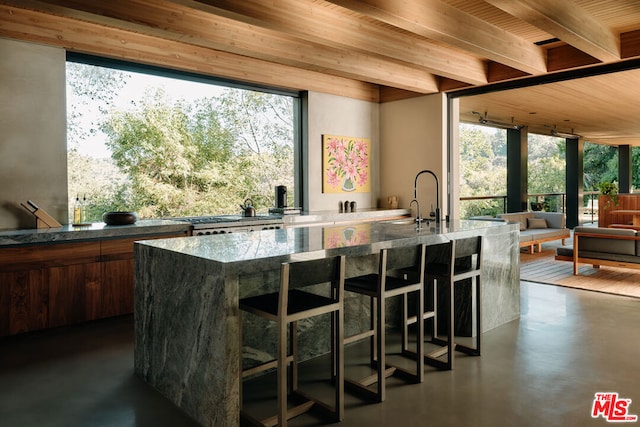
134 90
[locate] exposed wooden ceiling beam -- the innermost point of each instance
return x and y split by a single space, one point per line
567 21
172 21
630 44
439 21
86 37
565 57
314 22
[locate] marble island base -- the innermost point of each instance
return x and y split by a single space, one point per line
187 327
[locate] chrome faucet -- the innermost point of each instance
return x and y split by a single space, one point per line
415 192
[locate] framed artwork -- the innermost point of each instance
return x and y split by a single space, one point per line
345 164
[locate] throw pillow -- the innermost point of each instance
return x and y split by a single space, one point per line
536 223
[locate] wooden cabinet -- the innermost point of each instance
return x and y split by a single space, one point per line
74 293
117 287
23 302
44 286
607 208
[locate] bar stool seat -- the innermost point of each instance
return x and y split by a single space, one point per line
286 308
449 265
400 272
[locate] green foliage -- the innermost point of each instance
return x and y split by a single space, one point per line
547 165
482 172
609 189
483 169
172 158
600 163
99 181
92 90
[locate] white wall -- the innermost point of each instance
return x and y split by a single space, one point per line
33 145
336 115
413 138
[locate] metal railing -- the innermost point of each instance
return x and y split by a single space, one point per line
488 206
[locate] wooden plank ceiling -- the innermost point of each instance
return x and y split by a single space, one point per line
378 50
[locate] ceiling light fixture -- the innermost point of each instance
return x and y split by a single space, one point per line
502 125
566 135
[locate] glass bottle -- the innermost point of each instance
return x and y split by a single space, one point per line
84 208
77 211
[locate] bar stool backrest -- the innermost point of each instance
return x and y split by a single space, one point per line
313 272
406 259
299 274
468 253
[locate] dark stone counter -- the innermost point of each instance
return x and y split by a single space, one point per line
99 230
187 290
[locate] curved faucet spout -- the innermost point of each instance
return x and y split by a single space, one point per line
418 218
415 191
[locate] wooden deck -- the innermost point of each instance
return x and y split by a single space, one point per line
543 268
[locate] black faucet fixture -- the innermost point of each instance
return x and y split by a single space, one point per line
415 191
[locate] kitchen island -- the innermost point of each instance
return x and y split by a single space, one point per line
187 327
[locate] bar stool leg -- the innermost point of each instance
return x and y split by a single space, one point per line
373 323
338 343
405 324
293 349
478 315
380 347
451 325
282 373
420 335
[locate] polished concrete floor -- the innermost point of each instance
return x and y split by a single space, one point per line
542 370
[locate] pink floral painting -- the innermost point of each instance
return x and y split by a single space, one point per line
345 164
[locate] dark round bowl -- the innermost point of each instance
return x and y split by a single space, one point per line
119 218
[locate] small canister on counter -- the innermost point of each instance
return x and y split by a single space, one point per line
347 207
392 201
281 196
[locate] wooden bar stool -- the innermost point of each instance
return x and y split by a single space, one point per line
468 265
286 308
400 272
449 265
439 262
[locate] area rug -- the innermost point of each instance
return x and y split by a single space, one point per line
543 268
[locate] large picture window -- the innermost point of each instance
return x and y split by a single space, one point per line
171 146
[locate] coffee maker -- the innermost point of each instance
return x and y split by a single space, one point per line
281 196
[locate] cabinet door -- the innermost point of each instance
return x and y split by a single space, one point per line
117 287
23 302
74 293
117 273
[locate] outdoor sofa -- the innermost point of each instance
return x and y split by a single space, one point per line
598 246
538 227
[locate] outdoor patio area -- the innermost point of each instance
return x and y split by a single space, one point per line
541 267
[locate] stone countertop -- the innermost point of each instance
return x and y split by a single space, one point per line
100 230
319 241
